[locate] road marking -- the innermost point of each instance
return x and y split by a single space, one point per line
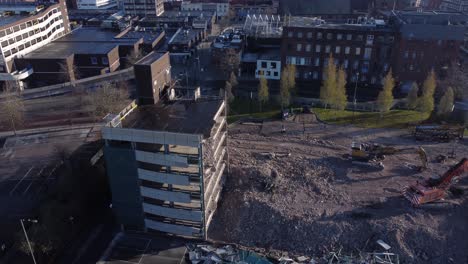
25 175
146 248
183 256
44 183
130 248
124 261
32 180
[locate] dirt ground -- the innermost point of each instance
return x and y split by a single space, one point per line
315 201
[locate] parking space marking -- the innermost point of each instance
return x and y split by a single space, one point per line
130 248
182 259
32 180
17 184
146 248
124 261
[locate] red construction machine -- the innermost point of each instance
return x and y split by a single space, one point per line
433 189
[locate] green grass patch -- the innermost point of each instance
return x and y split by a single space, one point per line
394 118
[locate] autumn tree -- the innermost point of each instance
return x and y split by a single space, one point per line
291 68
285 87
412 98
329 86
263 94
446 102
109 98
340 101
426 101
385 97
12 107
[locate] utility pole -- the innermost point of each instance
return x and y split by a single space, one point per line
27 238
354 100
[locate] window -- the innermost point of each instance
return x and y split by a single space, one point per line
273 65
318 48
290 34
327 49
337 49
264 64
299 34
319 35
346 50
315 75
414 55
345 64
105 61
308 61
317 62
370 39
93 60
339 36
356 65
299 47
349 37
358 51
275 74
411 67
308 47
4 43
325 61
367 53
309 35
373 80
406 54
329 36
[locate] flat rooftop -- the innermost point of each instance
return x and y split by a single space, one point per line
312 22
65 49
150 58
184 36
86 34
6 20
147 36
190 117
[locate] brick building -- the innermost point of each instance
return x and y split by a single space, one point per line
364 50
143 8
411 43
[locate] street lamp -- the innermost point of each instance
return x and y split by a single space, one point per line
355 89
27 238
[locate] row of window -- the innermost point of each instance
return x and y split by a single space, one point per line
26 35
314 75
414 55
28 24
339 36
316 62
104 60
32 42
337 50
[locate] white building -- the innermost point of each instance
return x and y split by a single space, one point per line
221 7
269 65
143 7
20 35
96 4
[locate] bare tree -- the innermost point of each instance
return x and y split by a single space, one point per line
134 57
109 98
457 79
229 62
69 74
12 107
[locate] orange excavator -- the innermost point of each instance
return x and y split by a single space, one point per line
433 189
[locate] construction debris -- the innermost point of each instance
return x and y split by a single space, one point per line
209 254
314 201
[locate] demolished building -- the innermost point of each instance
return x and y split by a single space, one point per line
166 159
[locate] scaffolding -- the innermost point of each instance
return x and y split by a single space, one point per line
263 25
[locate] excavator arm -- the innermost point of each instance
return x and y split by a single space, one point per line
455 171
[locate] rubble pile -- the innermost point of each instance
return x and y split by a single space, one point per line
296 193
210 254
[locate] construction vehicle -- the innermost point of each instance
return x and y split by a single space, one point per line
374 154
434 189
444 133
